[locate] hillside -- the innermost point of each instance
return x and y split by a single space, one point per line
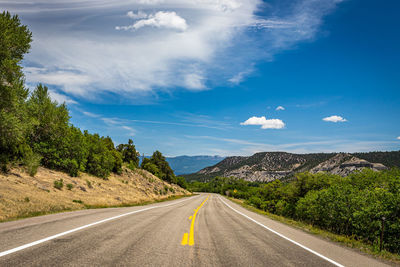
268 166
190 164
22 195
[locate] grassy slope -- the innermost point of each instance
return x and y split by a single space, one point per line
24 196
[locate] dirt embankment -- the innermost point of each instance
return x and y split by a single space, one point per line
22 195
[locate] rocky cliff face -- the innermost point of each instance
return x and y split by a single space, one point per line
269 166
344 164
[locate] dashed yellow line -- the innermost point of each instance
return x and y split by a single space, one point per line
184 239
191 233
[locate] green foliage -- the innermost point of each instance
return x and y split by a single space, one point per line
70 186
352 206
59 184
129 154
77 201
101 159
14 43
181 181
158 166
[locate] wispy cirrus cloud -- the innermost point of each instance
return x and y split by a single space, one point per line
185 44
240 147
188 120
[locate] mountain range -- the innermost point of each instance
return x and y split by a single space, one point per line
190 164
268 166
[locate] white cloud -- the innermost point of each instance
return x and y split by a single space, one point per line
279 108
60 98
265 124
161 19
247 147
130 130
398 138
241 76
150 2
139 15
84 56
90 114
194 81
334 118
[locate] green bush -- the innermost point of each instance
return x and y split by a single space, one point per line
59 184
32 163
70 186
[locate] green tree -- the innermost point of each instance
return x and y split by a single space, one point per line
129 153
164 170
15 40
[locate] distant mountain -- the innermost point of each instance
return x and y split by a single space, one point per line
189 164
268 166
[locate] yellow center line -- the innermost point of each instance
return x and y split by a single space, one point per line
184 239
191 233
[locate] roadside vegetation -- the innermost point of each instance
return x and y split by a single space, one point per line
359 206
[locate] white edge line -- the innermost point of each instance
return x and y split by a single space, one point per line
4 253
279 234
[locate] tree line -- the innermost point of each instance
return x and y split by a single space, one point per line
356 205
35 130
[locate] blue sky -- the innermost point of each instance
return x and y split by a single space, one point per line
206 77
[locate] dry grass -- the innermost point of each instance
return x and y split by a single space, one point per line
23 196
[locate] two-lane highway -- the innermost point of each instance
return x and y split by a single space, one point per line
206 230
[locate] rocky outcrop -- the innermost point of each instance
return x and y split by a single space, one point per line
344 164
269 166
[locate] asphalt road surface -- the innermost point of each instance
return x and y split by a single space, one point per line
204 230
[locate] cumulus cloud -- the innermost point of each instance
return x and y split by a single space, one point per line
161 19
335 119
398 138
279 108
84 56
264 122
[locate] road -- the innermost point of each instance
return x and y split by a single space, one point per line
204 230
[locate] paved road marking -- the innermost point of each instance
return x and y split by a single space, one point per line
4 253
279 234
191 233
184 239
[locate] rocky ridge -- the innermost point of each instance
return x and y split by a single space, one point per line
269 166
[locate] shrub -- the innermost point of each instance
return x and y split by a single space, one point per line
70 186
59 184
31 160
77 201
89 184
